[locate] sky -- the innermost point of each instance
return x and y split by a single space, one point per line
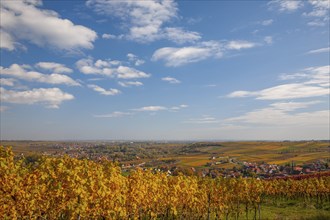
164 70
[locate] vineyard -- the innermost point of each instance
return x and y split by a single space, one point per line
68 188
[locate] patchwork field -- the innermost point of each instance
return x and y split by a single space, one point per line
186 154
270 152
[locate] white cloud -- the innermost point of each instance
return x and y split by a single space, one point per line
151 108
171 80
292 106
155 108
314 82
134 59
54 67
283 114
87 66
130 83
114 115
95 79
7 82
286 91
103 91
21 72
320 8
109 36
146 21
181 36
319 14
51 97
285 5
317 76
321 50
176 108
289 91
238 45
109 68
180 56
267 22
23 20
316 23
177 56
205 119
124 72
7 42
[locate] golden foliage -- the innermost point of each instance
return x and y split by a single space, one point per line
68 188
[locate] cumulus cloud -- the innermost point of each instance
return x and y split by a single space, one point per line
124 72
110 68
22 72
314 82
7 82
7 41
130 83
171 80
146 21
103 67
103 91
24 20
285 5
109 36
177 56
54 67
51 97
134 59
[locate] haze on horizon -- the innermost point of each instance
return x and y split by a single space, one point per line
164 70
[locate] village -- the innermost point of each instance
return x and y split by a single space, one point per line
241 169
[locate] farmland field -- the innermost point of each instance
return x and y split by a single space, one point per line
193 154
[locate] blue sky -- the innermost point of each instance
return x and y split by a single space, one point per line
164 70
